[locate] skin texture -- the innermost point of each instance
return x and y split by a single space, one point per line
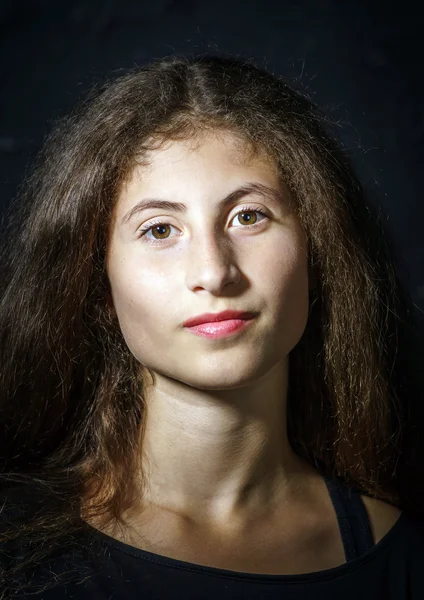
219 464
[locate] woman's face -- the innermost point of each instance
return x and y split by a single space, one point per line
208 258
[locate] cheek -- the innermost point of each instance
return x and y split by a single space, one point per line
142 302
286 288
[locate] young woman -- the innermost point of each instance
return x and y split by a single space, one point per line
207 358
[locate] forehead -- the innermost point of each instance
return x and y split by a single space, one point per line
212 154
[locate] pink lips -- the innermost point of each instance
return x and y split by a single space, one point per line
220 328
225 315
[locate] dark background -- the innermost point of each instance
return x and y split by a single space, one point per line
360 60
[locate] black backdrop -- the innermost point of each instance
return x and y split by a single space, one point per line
359 59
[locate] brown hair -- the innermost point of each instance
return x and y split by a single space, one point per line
72 399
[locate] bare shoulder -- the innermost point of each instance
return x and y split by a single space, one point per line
382 516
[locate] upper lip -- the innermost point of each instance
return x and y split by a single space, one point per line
222 316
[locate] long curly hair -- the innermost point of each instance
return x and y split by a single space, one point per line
72 395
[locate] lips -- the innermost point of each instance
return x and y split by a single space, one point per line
222 316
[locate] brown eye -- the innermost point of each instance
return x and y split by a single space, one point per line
247 215
159 229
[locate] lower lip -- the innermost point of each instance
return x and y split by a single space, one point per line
220 328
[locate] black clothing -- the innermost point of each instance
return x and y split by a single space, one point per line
393 569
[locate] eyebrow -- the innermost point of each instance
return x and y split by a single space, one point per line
250 188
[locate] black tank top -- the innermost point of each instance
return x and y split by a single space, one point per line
393 569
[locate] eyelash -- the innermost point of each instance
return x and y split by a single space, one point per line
143 230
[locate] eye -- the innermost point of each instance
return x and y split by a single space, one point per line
160 227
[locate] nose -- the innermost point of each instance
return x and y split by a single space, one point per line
211 264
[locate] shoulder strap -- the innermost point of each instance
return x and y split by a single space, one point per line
354 523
